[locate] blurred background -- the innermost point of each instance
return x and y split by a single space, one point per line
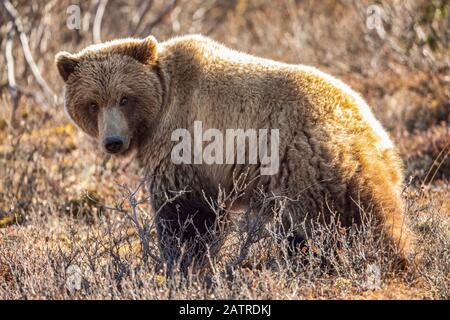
395 53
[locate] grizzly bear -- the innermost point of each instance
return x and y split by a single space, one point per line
334 156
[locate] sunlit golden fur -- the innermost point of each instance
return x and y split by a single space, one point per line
334 154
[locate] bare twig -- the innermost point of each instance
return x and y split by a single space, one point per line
436 165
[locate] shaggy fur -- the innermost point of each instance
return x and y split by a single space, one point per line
334 155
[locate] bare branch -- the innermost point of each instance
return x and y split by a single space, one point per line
12 85
18 27
163 14
138 17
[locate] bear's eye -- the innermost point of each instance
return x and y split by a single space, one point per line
124 101
93 108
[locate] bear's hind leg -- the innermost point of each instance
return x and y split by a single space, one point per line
378 187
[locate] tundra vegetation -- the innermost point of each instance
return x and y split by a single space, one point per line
75 224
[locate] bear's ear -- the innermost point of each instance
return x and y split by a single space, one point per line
144 51
66 64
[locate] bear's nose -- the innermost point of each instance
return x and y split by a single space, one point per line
113 144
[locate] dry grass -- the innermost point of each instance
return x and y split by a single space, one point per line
62 205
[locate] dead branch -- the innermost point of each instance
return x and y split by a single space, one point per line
97 28
157 20
12 85
18 28
138 17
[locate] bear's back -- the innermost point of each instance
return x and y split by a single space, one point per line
328 98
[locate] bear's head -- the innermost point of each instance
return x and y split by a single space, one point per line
113 91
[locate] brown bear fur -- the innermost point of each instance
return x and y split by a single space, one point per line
333 152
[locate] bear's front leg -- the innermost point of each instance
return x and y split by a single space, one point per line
187 231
